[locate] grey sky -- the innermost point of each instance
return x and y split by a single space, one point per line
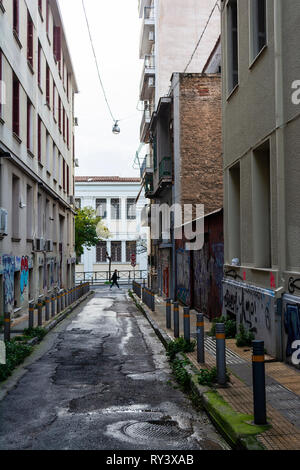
115 29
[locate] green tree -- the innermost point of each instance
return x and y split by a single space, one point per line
88 227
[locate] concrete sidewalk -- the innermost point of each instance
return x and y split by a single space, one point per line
282 383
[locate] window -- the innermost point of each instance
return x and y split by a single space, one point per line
15 206
54 101
48 147
68 180
101 208
258 26
16 16
68 88
115 209
54 165
59 114
29 211
29 125
116 252
29 39
64 175
262 207
41 8
57 43
130 250
232 44
39 140
101 251
68 133
48 85
131 209
16 105
64 124
39 63
47 16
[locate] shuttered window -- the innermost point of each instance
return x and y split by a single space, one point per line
48 85
116 252
130 250
101 208
39 140
115 209
16 105
29 39
16 16
101 251
39 63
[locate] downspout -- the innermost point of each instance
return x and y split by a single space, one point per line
280 161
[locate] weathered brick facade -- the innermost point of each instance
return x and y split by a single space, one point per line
201 141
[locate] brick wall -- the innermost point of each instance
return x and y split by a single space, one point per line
201 141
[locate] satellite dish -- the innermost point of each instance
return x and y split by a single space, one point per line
116 129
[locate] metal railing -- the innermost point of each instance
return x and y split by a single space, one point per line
165 168
137 289
146 165
102 277
149 13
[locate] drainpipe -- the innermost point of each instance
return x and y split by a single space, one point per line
280 159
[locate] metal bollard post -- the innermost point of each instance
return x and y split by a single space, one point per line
168 314
7 325
47 315
40 312
221 353
187 324
259 383
53 305
200 339
152 300
176 320
31 315
58 308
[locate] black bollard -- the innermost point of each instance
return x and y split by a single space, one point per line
200 339
187 324
221 353
176 320
168 314
259 383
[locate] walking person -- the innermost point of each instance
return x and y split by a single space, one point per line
114 279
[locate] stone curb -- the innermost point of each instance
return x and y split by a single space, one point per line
232 436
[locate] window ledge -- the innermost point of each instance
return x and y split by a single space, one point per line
2 7
40 88
16 36
48 105
41 165
29 240
48 39
257 57
30 154
30 67
2 120
17 138
15 240
233 91
41 14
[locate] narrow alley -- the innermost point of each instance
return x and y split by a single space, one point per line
101 380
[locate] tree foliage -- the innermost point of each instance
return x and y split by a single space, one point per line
86 228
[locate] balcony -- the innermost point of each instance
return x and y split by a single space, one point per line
147 32
145 126
147 84
147 166
148 185
165 170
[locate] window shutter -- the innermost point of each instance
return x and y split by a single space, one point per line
16 106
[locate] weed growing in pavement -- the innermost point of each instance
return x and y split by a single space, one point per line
244 338
208 377
180 345
16 352
230 327
180 373
38 332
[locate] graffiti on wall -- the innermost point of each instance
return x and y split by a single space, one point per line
183 276
292 326
201 278
253 307
8 279
24 271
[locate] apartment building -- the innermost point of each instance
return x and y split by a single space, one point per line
114 199
169 33
261 124
36 154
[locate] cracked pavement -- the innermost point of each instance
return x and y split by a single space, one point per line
101 380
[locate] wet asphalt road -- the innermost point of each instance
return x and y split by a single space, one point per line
101 380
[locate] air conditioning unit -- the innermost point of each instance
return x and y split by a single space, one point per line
76 121
151 35
49 245
39 244
3 222
151 82
72 200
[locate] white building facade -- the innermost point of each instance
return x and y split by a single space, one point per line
37 252
114 198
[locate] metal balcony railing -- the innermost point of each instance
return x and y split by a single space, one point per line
165 168
146 165
149 13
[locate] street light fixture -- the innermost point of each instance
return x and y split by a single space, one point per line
116 129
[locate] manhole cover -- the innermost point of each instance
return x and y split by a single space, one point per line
155 430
